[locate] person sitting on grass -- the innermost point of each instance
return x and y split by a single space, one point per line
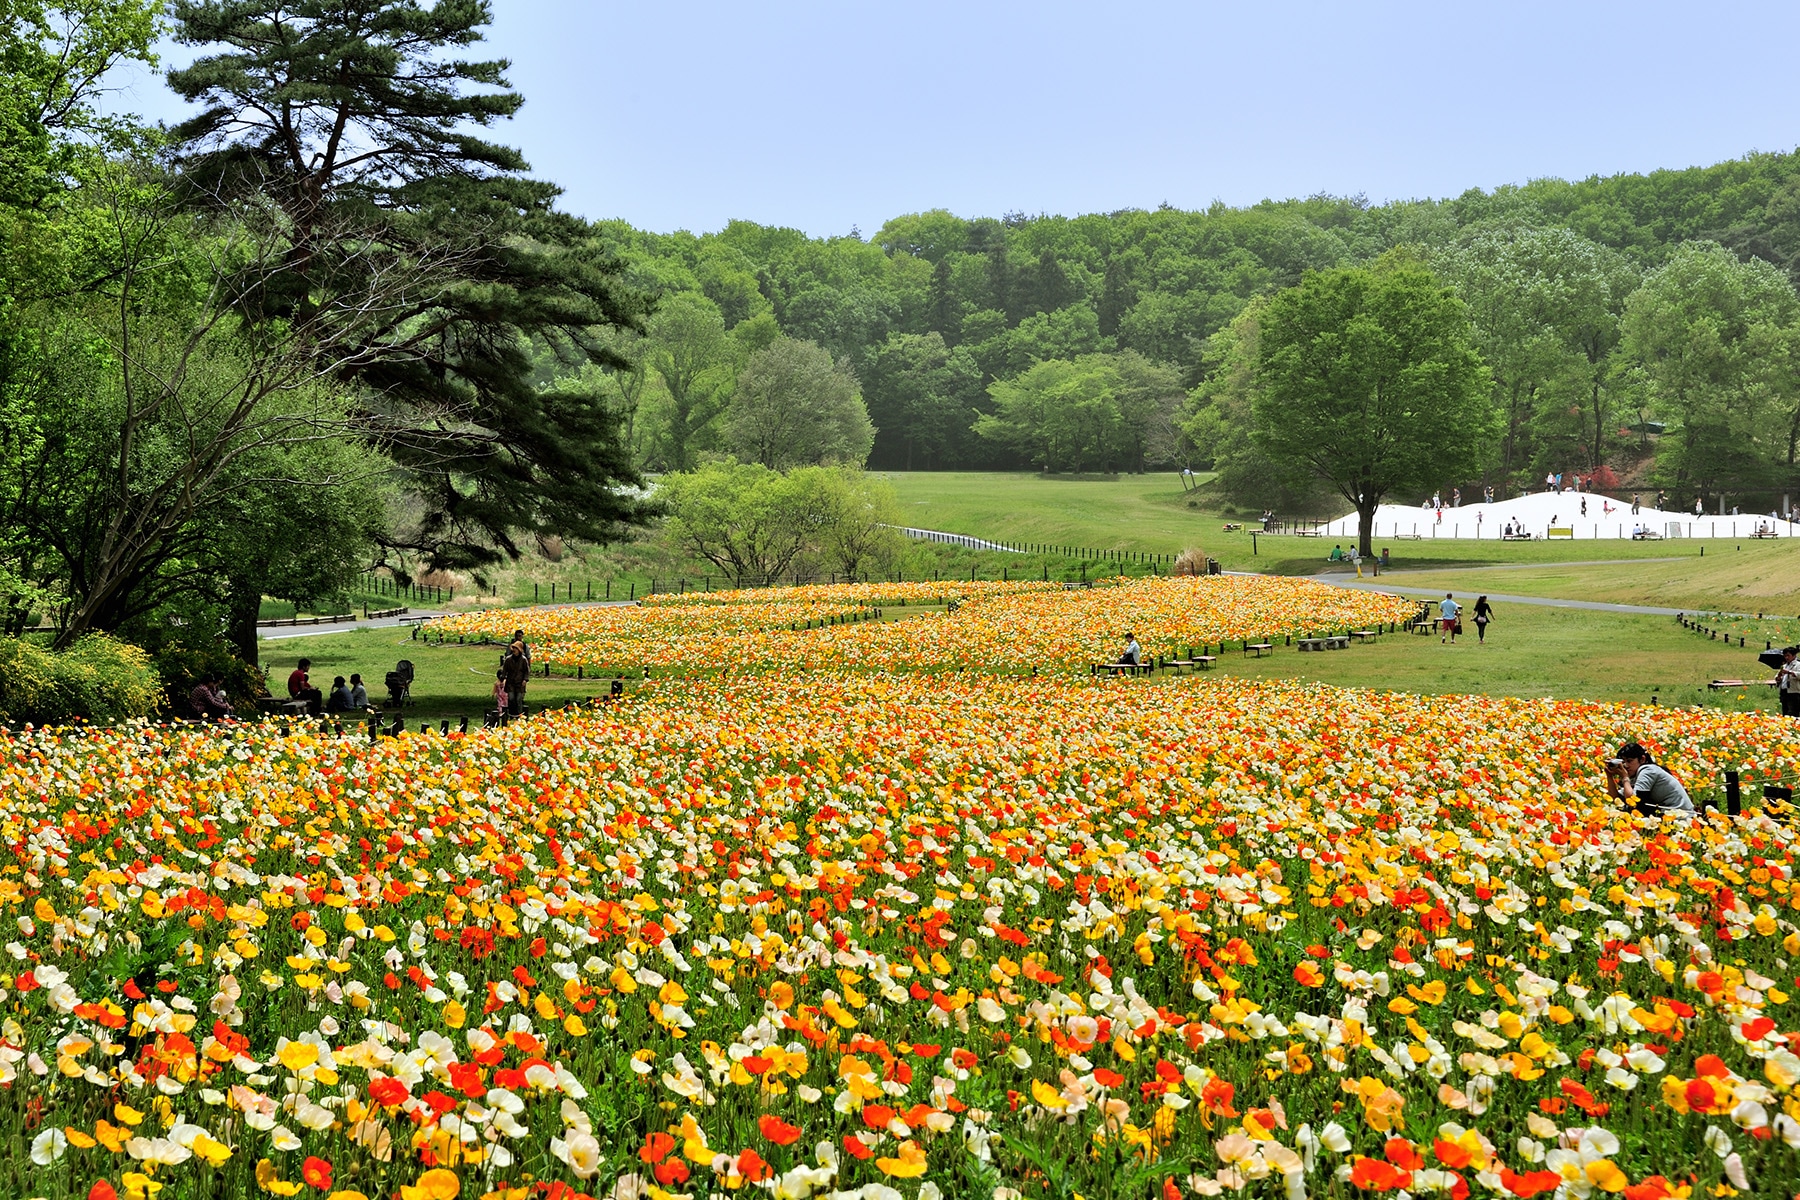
1134 654
1650 788
208 699
1337 554
359 695
299 686
339 699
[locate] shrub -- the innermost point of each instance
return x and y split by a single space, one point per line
182 664
97 679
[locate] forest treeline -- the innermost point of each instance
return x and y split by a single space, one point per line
947 324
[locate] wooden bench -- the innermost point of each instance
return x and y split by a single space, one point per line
1337 641
1719 685
1178 665
277 706
1259 647
1309 533
1119 668
1307 644
1363 635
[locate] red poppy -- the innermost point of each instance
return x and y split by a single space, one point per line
1529 1184
1401 1153
671 1173
656 1147
389 1092
1711 1065
778 1130
466 1078
317 1172
102 1190
1373 1175
1106 1078
855 1147
876 1116
752 1167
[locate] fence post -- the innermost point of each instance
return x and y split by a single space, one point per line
1734 794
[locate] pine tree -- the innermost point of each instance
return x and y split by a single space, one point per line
441 270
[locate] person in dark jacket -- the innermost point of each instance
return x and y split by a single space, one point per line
515 669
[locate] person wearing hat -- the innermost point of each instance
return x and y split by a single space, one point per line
1651 788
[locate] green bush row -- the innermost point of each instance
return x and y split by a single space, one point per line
98 679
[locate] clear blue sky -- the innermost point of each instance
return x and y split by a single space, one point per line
683 115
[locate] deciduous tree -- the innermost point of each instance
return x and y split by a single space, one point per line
1370 377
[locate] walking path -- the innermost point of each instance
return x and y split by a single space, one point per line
1550 565
414 618
1379 585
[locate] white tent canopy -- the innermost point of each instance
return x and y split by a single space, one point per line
1558 514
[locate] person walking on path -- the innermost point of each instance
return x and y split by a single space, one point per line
1787 682
1447 614
1634 504
1484 612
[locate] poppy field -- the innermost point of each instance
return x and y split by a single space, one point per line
900 935
983 626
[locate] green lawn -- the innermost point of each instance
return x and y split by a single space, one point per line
1152 514
1536 651
1754 577
448 681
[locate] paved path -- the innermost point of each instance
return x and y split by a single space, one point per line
282 633
1380 585
1542 566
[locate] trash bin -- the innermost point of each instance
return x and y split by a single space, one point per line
1212 566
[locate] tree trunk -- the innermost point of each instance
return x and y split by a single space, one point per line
241 627
1365 511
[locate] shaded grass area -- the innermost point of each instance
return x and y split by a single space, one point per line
448 681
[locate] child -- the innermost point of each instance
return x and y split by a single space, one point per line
500 693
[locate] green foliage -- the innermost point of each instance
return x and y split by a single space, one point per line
794 406
1098 412
182 662
96 679
1370 378
414 260
1712 340
757 524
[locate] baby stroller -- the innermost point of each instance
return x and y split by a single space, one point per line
399 684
